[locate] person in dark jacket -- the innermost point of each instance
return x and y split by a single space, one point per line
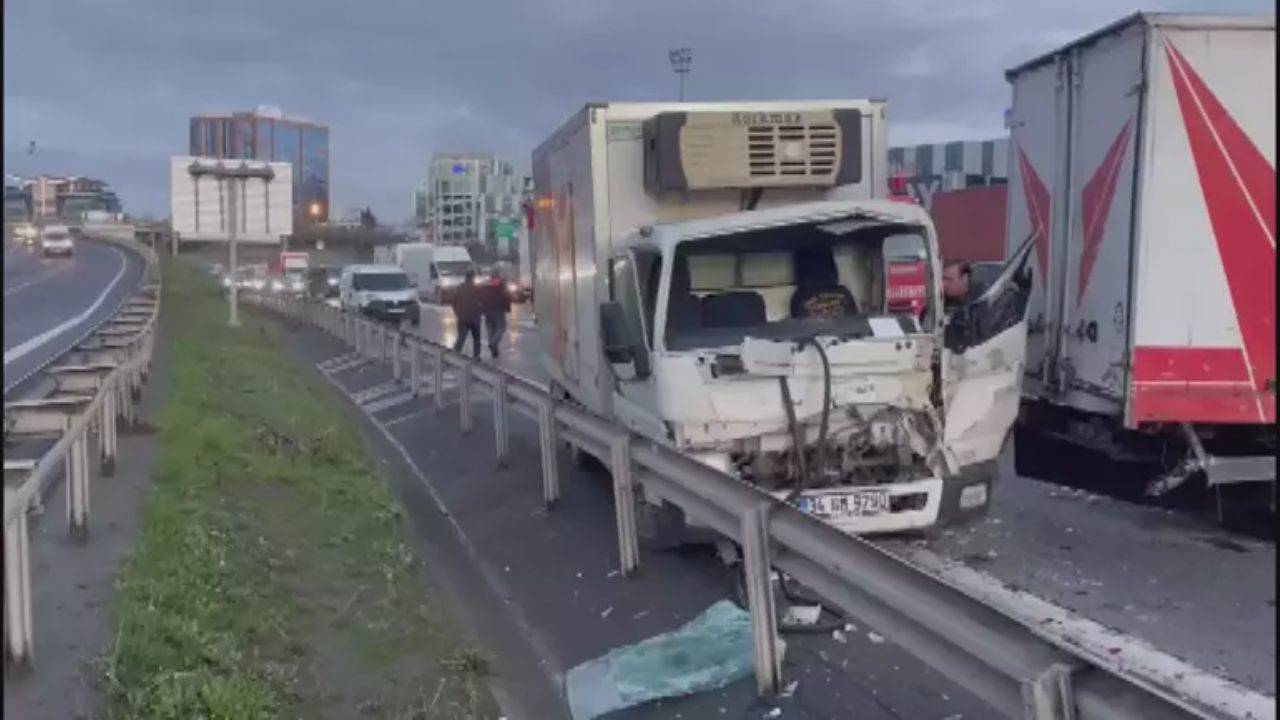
495 304
467 310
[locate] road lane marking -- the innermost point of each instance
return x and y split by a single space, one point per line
386 403
396 421
25 348
48 274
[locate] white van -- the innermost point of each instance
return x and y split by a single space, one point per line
379 291
56 240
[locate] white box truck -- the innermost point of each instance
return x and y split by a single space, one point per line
1143 164
713 276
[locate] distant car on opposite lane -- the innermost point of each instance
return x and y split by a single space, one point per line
26 234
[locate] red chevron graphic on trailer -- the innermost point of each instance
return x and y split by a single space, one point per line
1037 211
1096 205
1239 188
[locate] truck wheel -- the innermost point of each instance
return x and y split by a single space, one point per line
660 526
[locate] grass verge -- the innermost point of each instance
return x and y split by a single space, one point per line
270 578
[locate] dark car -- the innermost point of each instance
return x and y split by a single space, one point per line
322 282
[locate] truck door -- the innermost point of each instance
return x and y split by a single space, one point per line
984 351
633 284
1106 91
1038 165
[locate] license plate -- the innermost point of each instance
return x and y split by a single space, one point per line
858 503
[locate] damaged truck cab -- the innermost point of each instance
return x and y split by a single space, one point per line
763 339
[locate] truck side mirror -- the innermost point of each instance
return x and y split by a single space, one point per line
622 344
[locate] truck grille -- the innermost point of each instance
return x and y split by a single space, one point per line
808 150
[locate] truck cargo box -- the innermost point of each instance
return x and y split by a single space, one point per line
1143 163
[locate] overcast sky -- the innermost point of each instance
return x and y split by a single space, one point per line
105 87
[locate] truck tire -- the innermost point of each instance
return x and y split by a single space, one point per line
660 526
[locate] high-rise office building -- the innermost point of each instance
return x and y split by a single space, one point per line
470 198
267 134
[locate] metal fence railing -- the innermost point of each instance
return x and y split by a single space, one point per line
96 386
1006 661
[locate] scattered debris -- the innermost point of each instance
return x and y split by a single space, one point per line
802 614
606 612
850 627
838 636
612 573
790 689
875 637
579 576
776 712
640 614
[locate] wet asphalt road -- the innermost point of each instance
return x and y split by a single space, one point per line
1181 585
50 303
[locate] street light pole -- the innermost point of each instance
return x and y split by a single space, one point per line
681 62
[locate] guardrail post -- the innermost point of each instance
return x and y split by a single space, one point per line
464 396
397 343
78 488
500 418
126 403
624 502
382 343
437 377
1049 696
547 443
108 433
415 368
757 569
17 584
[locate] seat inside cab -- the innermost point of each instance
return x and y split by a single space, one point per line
753 280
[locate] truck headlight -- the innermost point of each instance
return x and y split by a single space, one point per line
973 496
333 282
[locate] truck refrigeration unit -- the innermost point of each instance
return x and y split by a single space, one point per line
1143 165
716 277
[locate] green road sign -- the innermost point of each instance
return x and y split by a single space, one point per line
505 229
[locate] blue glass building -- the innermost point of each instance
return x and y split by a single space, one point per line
267 135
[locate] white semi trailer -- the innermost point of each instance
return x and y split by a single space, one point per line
713 276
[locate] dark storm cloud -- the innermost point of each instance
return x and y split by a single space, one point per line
105 88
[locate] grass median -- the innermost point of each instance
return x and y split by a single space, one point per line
270 578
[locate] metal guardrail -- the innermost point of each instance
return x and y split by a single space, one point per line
91 396
1008 663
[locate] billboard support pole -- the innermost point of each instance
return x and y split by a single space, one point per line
234 318
223 173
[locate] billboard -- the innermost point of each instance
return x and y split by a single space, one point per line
202 200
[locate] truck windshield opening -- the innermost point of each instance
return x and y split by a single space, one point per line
380 281
793 282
